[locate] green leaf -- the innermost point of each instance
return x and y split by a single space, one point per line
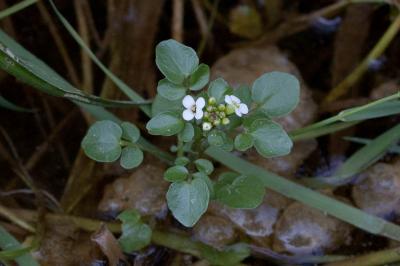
16 8
204 166
135 234
244 94
187 133
380 110
170 91
217 89
208 181
176 173
228 256
188 200
220 139
199 77
270 140
131 157
182 161
9 105
243 141
165 124
161 105
244 192
130 132
102 141
175 60
276 93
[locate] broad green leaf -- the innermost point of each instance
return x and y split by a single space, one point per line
131 157
165 124
228 256
380 110
277 93
245 192
170 91
208 181
182 161
204 166
187 133
176 173
217 89
11 106
270 140
200 77
175 60
130 132
244 94
102 141
220 139
161 105
135 234
188 200
243 141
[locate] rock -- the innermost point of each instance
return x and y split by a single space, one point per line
144 191
243 66
378 191
302 230
257 223
215 231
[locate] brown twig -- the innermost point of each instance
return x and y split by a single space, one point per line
90 21
200 17
59 43
177 20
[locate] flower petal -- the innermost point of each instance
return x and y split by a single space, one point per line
188 101
188 115
228 99
235 99
238 113
243 108
199 114
200 103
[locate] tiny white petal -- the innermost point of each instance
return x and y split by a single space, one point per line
206 126
188 115
199 114
200 103
228 99
188 101
235 99
238 113
243 108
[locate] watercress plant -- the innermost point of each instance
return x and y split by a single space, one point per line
202 114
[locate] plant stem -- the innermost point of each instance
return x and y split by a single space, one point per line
16 219
383 257
343 87
16 8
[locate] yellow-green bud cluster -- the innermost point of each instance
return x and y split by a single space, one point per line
215 115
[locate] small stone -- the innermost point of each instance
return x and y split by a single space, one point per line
215 231
144 191
302 230
378 191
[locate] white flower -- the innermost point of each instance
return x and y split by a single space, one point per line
240 108
207 126
194 109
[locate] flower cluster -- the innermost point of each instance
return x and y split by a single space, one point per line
214 115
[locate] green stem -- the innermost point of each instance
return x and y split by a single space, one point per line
16 8
16 219
383 257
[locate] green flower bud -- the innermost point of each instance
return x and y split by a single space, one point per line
212 101
217 122
207 126
209 109
225 121
230 109
221 107
206 115
221 114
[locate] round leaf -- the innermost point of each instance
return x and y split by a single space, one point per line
244 192
131 157
182 161
187 133
170 91
243 141
161 105
175 60
135 234
199 77
277 93
217 89
130 132
188 200
102 141
204 166
165 124
270 139
176 173
208 181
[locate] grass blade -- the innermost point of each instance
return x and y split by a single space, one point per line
381 110
338 209
393 149
321 131
9 105
118 82
13 250
16 8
